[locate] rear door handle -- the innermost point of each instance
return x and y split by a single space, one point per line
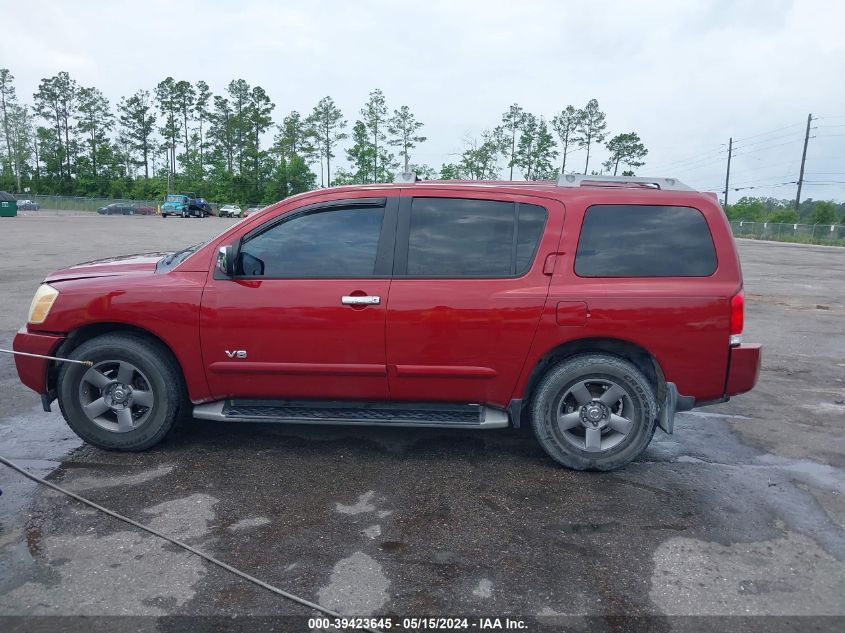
366 300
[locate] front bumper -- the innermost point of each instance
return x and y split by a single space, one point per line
744 369
33 371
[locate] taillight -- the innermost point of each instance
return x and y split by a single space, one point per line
737 317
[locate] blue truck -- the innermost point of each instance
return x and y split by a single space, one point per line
185 205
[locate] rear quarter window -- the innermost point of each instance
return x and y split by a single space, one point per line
620 240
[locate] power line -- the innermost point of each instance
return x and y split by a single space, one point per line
785 127
768 140
768 147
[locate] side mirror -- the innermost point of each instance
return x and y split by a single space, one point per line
226 260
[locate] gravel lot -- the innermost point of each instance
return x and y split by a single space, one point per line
740 513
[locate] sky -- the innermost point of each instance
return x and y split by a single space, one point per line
685 75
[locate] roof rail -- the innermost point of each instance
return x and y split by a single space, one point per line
406 177
578 180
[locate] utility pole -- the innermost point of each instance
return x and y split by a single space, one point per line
803 160
728 173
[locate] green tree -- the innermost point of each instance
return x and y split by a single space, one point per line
95 123
512 122
20 126
536 149
168 104
423 172
55 101
295 136
404 126
8 99
202 114
591 128
450 171
565 124
258 120
747 209
222 133
824 213
137 121
374 114
239 96
184 96
479 160
626 149
783 216
361 155
300 176
328 122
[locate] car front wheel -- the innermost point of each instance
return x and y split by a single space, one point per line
594 412
128 399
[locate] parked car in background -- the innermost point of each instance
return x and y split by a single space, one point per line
251 211
124 208
230 211
591 309
28 205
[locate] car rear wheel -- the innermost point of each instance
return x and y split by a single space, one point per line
594 412
128 399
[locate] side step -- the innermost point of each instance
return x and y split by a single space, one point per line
463 416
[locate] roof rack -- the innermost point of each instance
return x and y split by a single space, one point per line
578 180
406 177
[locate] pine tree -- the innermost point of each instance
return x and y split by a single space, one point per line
591 128
512 122
137 120
328 122
403 125
626 149
565 124
374 115
95 122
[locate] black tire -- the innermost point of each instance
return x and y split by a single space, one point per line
555 398
156 369
184 214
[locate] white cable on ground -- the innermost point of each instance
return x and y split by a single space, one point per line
185 546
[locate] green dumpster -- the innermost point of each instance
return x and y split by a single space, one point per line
8 205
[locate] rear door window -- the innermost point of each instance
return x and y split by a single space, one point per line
620 240
459 237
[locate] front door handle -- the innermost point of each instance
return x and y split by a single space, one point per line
365 300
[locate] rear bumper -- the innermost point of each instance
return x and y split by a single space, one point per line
744 369
33 371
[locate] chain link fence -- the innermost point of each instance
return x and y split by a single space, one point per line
832 234
72 205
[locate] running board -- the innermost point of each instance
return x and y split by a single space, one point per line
462 416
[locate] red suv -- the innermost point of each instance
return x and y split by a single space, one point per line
592 309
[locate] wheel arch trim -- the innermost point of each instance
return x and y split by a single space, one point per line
625 349
86 332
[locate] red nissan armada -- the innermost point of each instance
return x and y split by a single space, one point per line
591 309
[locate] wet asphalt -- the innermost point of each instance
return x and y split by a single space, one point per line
739 513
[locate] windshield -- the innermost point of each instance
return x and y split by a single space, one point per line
173 198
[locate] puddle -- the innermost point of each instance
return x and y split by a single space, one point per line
362 505
357 586
787 576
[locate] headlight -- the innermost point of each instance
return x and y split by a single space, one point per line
41 303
